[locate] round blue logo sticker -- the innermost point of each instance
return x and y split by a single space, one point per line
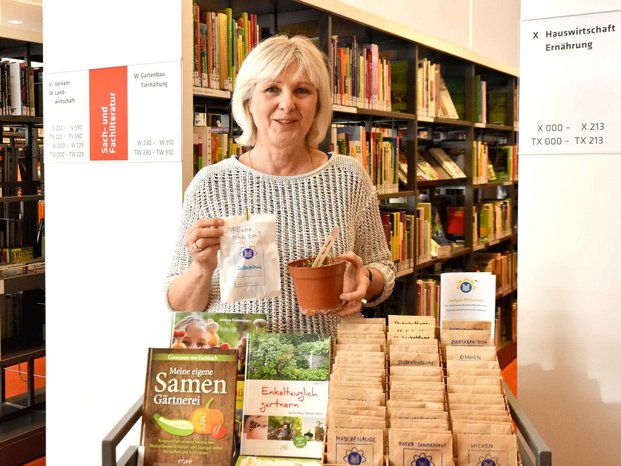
487 460
354 456
248 253
422 460
466 287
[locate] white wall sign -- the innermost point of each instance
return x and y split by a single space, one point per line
120 113
577 55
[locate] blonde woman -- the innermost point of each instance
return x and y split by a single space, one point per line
283 105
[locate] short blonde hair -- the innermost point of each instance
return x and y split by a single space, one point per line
270 58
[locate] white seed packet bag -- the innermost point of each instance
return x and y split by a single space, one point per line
249 262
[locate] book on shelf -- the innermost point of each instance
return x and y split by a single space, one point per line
455 228
429 160
399 227
447 163
497 106
399 85
221 42
447 107
480 158
201 142
18 82
479 99
189 407
456 87
286 395
424 227
427 87
494 218
361 77
403 169
376 149
503 160
501 264
428 172
428 297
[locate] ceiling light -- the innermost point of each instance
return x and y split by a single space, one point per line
15 21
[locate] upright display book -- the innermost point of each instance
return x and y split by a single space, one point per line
286 395
189 407
218 330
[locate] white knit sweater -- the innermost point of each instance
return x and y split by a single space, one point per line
306 206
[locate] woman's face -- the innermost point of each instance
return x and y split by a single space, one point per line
284 108
195 337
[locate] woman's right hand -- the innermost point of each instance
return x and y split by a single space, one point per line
202 241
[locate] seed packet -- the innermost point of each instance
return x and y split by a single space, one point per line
458 398
371 411
467 337
421 321
407 448
472 427
466 325
420 425
412 341
249 261
358 394
430 397
356 446
487 449
406 404
415 348
472 380
455 363
417 414
361 347
348 420
414 359
475 389
490 416
471 353
455 371
415 371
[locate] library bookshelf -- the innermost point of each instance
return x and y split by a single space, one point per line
22 270
403 101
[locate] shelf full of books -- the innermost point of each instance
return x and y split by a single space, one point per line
22 205
436 132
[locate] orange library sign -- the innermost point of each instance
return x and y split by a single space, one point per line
108 113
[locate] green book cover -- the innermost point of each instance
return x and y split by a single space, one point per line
286 395
456 87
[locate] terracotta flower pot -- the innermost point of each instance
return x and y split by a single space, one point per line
318 288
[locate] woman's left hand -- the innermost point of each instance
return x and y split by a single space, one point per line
355 285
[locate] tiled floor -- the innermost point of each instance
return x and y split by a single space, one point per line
509 373
16 384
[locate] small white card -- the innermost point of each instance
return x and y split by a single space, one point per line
468 296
